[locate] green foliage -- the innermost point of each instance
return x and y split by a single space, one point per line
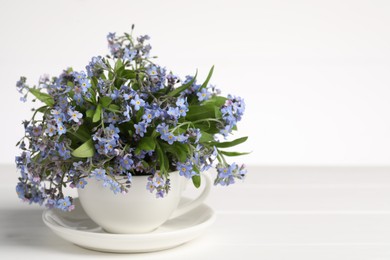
86 150
162 159
231 154
105 101
203 112
97 114
147 143
230 144
206 82
45 98
196 181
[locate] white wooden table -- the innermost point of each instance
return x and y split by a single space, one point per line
276 213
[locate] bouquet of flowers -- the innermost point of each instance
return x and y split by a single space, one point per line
124 116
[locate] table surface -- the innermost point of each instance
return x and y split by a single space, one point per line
276 213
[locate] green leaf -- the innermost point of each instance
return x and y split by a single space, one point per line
42 109
230 144
232 153
162 159
128 74
97 115
114 108
45 98
206 137
90 113
206 82
83 132
179 150
105 101
140 113
218 101
180 89
118 65
147 143
86 150
198 112
196 180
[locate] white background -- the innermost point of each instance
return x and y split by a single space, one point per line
314 74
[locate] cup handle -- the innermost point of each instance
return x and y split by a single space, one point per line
182 209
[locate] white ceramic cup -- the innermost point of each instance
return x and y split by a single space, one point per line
138 211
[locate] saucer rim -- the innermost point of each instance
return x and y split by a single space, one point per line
203 225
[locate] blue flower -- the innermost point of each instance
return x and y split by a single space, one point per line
158 181
127 162
21 84
65 204
160 193
183 111
228 173
23 98
56 112
150 186
162 129
233 110
170 138
79 99
129 54
81 183
115 94
182 102
225 171
63 102
182 138
62 151
78 165
153 73
130 94
148 115
96 67
85 85
115 49
112 131
61 129
226 130
79 76
37 131
112 184
112 118
137 102
111 37
60 119
203 94
110 145
140 128
99 173
158 184
174 112
101 147
50 130
141 39
185 169
75 115
20 190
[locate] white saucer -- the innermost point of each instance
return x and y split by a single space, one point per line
78 228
